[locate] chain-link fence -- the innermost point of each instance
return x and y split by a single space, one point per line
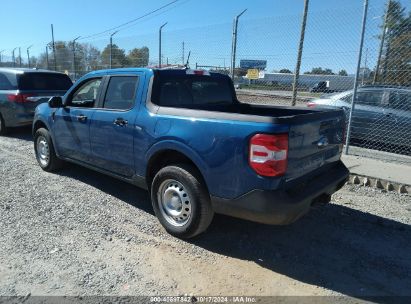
266 59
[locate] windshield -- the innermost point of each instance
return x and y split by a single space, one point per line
192 90
44 81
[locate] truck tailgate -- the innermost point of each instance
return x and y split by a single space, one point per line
314 142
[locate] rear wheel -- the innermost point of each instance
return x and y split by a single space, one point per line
181 201
3 129
44 150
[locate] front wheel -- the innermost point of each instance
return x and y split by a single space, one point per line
44 150
181 201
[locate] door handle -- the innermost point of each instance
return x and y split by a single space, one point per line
120 122
81 118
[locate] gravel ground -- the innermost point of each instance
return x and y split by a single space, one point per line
267 99
78 232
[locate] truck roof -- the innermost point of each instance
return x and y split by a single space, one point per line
170 71
27 70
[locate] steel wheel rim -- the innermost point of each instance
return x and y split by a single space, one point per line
43 152
174 202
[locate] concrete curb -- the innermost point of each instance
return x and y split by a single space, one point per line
369 181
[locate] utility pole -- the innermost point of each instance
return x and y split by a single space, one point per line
54 48
234 43
111 48
354 95
74 57
159 44
182 58
47 56
13 57
300 52
28 56
384 31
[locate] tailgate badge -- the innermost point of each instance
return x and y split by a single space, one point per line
323 142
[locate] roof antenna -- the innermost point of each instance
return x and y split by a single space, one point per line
187 65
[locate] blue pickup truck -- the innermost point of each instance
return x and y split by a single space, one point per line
184 136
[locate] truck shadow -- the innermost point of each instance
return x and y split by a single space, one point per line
335 247
125 192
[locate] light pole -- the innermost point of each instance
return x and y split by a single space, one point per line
14 58
74 56
159 44
234 43
28 55
111 48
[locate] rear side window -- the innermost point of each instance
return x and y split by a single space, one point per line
400 101
6 82
192 90
44 81
121 92
370 98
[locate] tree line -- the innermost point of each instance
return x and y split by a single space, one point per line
84 57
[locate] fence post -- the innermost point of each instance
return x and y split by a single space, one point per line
14 58
300 52
357 73
28 55
74 57
54 48
47 56
111 48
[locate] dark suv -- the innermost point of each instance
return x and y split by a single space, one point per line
21 90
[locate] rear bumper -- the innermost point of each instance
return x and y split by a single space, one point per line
281 207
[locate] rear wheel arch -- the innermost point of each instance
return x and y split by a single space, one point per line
167 157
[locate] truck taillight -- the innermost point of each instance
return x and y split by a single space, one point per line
19 98
268 154
311 104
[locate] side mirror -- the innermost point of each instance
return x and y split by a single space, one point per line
55 102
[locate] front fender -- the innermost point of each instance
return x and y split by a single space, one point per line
42 115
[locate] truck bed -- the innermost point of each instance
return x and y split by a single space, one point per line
253 113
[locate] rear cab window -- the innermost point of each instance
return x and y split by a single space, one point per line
191 91
44 81
121 92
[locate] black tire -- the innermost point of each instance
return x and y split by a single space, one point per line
189 183
3 129
52 162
